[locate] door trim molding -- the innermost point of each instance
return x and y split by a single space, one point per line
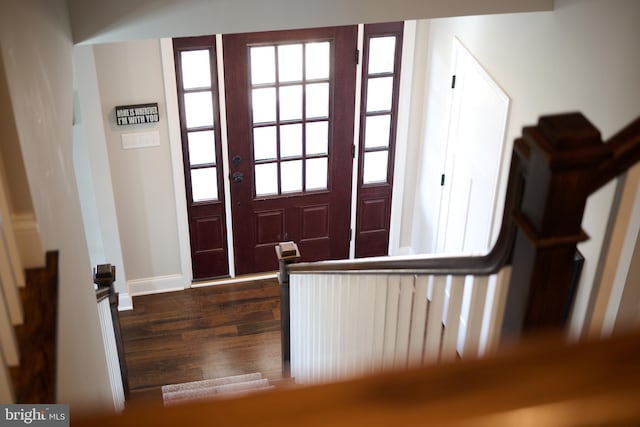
400 166
175 146
224 142
356 143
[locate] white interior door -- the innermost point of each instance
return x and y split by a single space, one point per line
474 150
475 142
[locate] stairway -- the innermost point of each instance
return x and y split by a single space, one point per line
33 377
225 387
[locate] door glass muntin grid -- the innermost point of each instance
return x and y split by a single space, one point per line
379 82
197 94
300 116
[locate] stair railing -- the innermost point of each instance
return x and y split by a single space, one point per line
349 317
104 277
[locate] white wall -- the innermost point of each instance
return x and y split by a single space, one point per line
131 73
36 47
583 56
16 184
118 20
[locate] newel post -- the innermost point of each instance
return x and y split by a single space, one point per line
561 155
287 253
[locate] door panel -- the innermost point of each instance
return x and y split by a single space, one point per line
290 100
195 61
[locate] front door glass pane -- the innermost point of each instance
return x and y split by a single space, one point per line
379 94
376 132
381 54
263 103
290 63
291 102
316 174
266 176
318 60
198 108
202 148
204 184
375 167
291 178
263 65
265 143
195 69
291 140
317 101
317 137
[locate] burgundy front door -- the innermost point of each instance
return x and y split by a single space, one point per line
290 111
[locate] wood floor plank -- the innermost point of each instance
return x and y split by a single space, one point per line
202 333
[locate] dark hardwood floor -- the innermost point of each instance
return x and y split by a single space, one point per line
202 333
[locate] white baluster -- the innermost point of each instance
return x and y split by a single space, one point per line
476 295
293 325
391 321
350 282
379 321
368 295
433 337
418 320
6 387
9 283
316 328
324 303
494 311
452 321
334 337
111 351
407 289
8 341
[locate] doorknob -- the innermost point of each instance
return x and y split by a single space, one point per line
237 177
236 160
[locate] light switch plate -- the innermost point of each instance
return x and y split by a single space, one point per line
140 140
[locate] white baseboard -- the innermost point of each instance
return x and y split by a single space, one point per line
125 302
27 235
405 250
157 284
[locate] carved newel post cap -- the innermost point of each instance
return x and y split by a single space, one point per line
287 251
104 275
569 131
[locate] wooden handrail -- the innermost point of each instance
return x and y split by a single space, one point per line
625 152
102 293
498 257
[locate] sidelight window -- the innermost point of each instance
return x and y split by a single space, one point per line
198 100
380 77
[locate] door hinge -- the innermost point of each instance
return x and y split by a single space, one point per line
442 180
357 56
453 81
353 151
350 234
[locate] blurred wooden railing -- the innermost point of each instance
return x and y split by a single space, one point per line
541 382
